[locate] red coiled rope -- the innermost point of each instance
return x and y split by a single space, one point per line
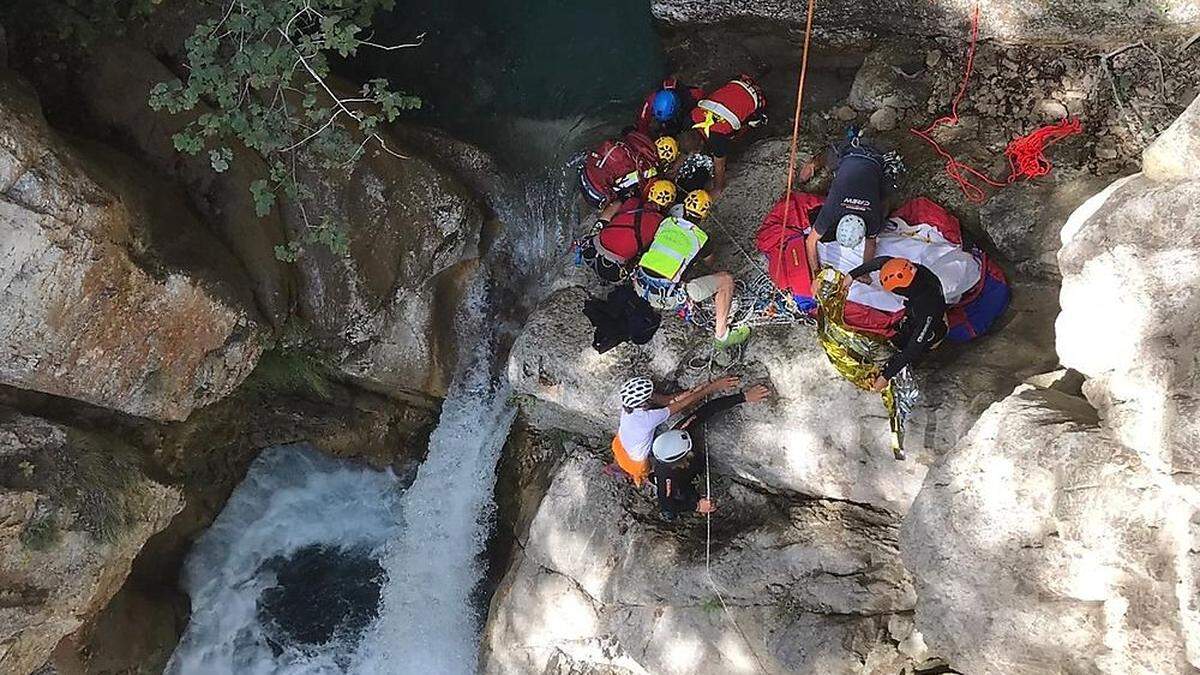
1026 155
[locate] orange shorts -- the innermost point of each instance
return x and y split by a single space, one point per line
637 470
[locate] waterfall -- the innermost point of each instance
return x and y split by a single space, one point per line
323 566
428 622
302 517
294 504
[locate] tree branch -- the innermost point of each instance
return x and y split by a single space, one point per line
337 101
420 40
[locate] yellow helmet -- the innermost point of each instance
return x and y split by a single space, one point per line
697 203
668 149
661 192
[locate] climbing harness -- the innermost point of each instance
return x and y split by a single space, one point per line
1026 154
662 294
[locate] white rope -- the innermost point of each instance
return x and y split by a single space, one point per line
708 540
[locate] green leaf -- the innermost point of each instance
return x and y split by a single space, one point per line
264 197
264 91
187 143
287 253
220 159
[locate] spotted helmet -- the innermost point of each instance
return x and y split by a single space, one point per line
636 391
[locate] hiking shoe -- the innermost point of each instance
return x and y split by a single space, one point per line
735 337
724 358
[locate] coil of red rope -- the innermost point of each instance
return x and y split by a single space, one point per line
1026 154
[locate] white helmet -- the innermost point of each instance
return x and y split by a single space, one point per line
671 445
636 391
850 230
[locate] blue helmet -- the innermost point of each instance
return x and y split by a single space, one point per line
666 104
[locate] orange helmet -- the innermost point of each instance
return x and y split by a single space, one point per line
897 273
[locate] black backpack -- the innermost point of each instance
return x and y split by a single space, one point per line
620 317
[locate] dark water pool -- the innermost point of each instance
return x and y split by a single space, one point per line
323 593
543 59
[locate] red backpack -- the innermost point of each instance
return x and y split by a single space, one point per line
630 232
618 168
783 244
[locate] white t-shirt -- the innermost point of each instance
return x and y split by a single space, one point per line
637 430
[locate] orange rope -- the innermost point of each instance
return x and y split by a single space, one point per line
787 195
1026 158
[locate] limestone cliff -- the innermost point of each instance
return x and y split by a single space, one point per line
90 310
75 509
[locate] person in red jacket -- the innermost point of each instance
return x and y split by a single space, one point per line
665 111
723 115
619 240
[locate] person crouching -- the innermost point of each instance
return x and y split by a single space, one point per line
643 410
678 462
660 275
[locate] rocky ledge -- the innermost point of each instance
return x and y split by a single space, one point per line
1099 22
1044 521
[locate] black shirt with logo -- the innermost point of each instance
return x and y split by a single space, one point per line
857 189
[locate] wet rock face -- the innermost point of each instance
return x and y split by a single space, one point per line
387 306
1097 22
222 200
411 228
90 313
1041 544
74 511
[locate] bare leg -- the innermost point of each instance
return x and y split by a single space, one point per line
724 300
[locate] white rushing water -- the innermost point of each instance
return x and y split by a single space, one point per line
429 540
429 623
292 498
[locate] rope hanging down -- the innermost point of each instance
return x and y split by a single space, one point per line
1026 154
707 472
791 172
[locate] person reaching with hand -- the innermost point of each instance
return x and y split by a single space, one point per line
678 459
643 411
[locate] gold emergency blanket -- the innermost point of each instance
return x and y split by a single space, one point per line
858 357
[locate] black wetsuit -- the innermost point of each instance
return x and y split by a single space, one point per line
924 323
676 481
858 188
